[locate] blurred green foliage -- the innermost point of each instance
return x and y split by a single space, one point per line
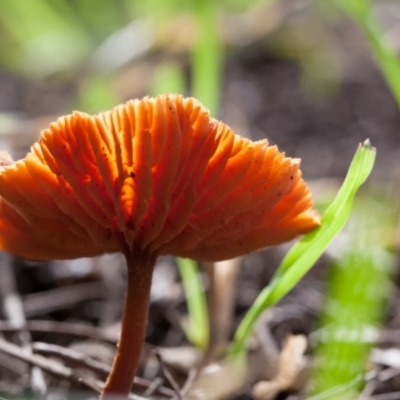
44 37
358 288
67 39
168 78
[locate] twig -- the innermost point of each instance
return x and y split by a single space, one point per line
60 328
193 373
154 386
14 312
388 373
168 375
87 383
78 359
386 396
71 357
52 367
61 298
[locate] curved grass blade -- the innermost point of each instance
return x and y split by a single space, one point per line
306 252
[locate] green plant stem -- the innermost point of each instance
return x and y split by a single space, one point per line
133 329
305 253
196 328
207 56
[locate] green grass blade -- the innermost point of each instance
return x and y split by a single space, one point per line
207 56
305 253
40 40
336 214
196 326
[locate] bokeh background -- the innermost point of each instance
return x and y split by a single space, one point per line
298 72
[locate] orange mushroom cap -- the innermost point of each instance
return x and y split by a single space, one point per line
156 175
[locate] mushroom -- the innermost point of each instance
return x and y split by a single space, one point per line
150 177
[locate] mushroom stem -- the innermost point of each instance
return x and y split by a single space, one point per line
133 329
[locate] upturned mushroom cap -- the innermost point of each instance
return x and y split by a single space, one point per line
156 175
